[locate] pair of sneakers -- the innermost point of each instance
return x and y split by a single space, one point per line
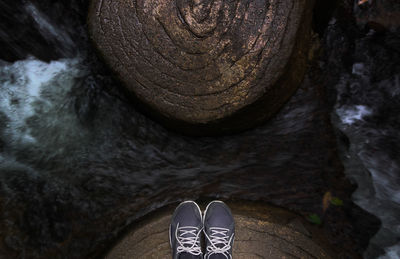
188 224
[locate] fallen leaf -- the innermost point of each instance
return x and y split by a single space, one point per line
336 201
315 219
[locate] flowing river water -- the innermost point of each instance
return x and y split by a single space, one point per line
72 145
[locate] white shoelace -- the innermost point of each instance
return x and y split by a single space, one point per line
220 242
188 239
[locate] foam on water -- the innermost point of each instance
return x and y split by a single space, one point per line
392 252
22 87
351 114
46 28
371 159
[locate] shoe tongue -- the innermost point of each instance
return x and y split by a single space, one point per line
188 256
219 245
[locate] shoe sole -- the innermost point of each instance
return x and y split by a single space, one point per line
170 225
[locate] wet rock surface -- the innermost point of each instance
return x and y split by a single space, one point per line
378 14
205 67
27 29
261 232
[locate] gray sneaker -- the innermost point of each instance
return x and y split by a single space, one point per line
185 230
219 230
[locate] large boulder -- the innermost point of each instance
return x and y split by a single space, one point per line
203 66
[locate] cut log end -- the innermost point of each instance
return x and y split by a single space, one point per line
261 232
203 62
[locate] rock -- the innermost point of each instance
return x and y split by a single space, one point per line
378 15
15 46
205 67
261 232
27 29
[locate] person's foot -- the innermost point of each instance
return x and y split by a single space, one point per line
219 230
185 230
